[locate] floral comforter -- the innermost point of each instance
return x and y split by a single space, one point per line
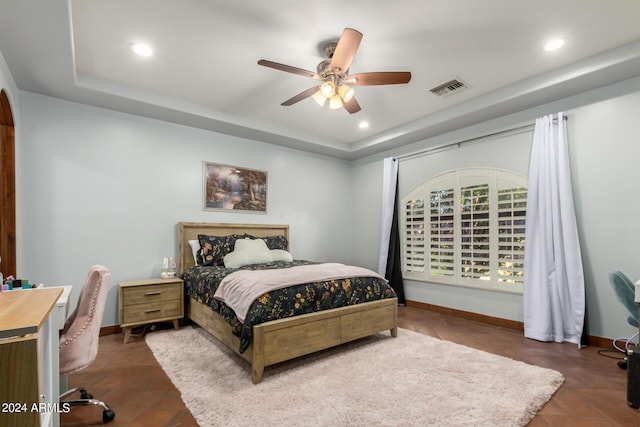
201 283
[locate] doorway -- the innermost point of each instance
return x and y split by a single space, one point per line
7 189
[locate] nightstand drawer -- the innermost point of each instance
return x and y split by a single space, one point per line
150 300
151 294
152 311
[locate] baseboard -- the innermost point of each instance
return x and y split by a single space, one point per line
496 321
594 341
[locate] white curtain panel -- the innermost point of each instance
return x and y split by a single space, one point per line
554 295
389 181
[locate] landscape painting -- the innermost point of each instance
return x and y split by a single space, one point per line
232 188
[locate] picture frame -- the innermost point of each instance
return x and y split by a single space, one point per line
230 188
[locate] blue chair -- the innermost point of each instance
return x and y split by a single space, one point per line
626 292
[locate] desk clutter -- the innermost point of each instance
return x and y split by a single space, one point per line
11 284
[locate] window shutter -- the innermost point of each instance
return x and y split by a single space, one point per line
466 227
441 232
475 232
512 210
413 236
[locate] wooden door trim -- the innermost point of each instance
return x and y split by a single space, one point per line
7 188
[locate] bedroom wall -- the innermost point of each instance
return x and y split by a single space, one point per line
604 149
105 187
7 83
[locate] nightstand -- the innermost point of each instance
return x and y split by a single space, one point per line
141 302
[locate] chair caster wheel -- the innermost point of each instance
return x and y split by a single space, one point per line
85 395
108 416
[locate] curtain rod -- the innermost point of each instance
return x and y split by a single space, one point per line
458 144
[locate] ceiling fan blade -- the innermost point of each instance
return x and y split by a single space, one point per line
345 50
289 69
352 106
379 78
299 97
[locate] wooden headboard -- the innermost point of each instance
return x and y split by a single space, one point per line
190 230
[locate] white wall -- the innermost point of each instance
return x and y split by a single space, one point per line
8 84
105 187
604 147
605 153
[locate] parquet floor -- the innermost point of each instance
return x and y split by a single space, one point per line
130 380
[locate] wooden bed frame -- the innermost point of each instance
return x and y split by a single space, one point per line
285 339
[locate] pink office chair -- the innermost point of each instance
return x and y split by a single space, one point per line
79 339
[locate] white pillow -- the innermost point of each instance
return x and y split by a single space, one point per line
195 247
281 255
246 252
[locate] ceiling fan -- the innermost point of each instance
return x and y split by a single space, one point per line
332 73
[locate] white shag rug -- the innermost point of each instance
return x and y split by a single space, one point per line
411 380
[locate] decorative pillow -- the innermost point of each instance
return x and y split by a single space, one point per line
214 248
195 247
273 242
277 242
246 252
281 255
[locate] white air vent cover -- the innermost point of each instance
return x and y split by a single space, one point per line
449 88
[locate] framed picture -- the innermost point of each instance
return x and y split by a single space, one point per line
232 188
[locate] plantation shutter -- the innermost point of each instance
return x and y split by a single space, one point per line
413 236
442 232
474 232
466 227
512 210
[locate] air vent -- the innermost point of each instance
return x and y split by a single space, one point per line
450 87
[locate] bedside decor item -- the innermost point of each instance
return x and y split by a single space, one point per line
169 268
231 188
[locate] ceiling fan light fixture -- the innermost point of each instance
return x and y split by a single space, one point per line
333 75
319 97
335 102
346 93
328 89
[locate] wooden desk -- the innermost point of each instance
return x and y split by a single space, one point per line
28 346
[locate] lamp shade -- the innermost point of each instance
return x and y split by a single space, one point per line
319 97
328 89
335 102
346 93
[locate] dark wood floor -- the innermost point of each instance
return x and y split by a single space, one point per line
130 380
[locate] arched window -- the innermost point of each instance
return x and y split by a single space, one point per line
466 227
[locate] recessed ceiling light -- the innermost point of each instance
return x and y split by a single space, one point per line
141 49
554 44
363 125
